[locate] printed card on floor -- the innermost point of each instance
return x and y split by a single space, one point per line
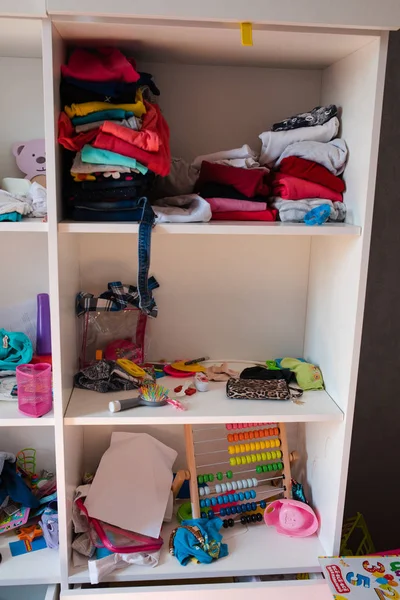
363 577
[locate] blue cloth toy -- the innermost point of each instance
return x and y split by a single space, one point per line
317 215
199 539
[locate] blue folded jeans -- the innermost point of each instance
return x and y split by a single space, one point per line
137 211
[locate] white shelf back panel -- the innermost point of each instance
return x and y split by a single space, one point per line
21 108
14 439
25 274
211 108
217 296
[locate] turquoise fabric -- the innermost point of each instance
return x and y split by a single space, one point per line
97 156
15 349
12 216
102 115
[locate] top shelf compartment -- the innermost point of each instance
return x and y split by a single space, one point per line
216 43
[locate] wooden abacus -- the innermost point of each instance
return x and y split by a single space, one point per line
253 466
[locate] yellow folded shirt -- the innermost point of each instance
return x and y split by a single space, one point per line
81 110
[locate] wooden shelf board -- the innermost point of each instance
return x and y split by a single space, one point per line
215 227
11 417
271 553
91 408
25 226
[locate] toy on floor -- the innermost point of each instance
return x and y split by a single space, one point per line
240 486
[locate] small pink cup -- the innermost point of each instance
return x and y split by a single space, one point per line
34 389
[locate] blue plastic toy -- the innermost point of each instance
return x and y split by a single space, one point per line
318 215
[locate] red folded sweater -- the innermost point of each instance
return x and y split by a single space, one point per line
158 162
146 139
235 215
68 137
311 171
250 182
293 188
101 64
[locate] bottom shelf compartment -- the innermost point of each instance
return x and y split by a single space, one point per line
33 568
253 550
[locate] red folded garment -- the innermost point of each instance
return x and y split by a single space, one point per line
263 215
250 182
101 64
158 162
311 171
293 188
144 139
68 137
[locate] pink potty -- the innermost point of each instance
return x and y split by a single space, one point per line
291 517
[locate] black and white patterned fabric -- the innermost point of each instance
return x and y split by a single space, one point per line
318 116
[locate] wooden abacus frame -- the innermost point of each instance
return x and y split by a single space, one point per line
192 467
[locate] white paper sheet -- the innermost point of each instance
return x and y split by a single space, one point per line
132 484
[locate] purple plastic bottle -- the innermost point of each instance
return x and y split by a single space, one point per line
43 334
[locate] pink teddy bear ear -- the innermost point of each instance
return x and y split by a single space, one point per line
17 148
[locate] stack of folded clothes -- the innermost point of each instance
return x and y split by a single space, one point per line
236 188
307 161
118 135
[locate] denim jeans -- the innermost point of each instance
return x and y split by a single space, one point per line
142 213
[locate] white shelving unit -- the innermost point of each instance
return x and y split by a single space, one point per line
281 290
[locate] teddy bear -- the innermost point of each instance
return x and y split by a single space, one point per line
31 160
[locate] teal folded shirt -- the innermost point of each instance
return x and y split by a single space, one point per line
102 115
97 156
12 216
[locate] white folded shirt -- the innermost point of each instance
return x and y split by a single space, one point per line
275 142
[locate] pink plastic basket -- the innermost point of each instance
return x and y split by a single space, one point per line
34 389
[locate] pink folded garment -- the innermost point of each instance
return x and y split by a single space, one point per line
293 188
236 215
219 205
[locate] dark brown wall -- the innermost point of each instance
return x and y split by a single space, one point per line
374 475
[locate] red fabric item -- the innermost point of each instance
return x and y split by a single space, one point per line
250 182
311 171
101 64
68 137
158 162
144 139
293 188
263 215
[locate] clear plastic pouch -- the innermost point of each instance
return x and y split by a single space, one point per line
118 334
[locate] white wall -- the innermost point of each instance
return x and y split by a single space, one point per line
212 108
21 108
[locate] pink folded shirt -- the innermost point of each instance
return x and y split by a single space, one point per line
294 188
219 205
